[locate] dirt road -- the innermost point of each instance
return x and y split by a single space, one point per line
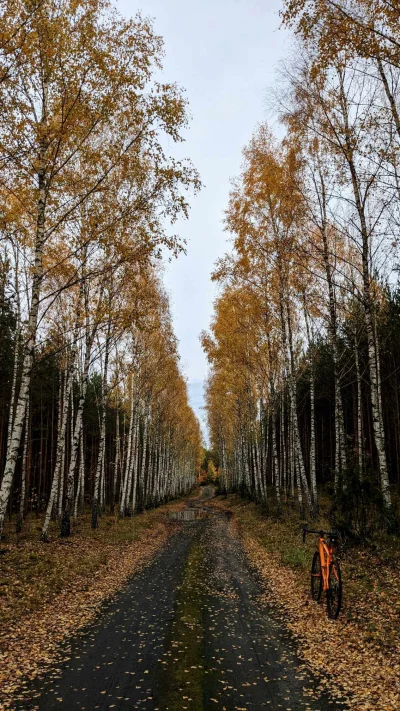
189 632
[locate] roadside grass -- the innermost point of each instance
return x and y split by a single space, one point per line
357 655
32 572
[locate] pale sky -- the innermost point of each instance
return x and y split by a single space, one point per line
225 54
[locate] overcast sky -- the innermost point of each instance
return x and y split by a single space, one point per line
224 53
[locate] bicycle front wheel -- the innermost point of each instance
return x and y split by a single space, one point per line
334 592
316 577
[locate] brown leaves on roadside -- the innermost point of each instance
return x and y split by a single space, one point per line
31 641
355 657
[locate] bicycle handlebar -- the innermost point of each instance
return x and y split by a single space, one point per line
328 534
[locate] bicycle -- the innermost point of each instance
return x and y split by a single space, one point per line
325 571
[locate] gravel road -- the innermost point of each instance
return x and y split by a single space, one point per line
188 632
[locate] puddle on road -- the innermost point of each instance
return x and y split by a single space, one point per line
196 513
189 514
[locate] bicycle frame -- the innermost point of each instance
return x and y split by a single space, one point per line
328 578
326 557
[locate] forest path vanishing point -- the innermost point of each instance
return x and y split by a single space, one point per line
188 632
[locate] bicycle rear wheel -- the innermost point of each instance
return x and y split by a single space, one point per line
334 592
316 577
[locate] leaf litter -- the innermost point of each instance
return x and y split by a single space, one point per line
357 657
31 641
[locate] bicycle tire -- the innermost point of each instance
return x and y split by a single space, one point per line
316 577
335 591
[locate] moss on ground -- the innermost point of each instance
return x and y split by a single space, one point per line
183 678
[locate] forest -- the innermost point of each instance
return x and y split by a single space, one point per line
303 393
94 409
145 562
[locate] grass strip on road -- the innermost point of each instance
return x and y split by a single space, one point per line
182 678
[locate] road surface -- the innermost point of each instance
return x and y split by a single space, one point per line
188 632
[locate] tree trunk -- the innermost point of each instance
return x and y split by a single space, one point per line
389 96
340 456
359 408
24 473
100 459
313 473
116 464
275 462
65 528
376 404
20 411
293 396
135 460
82 470
127 483
60 452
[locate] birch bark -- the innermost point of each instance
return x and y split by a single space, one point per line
37 279
100 459
359 407
24 473
60 448
293 397
313 473
340 457
124 507
116 463
376 404
275 461
135 461
65 528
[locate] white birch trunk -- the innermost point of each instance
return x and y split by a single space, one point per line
60 451
293 397
292 454
256 470
20 410
135 459
24 473
376 404
340 457
298 485
100 473
127 484
116 463
11 416
359 408
313 473
65 528
143 462
82 470
282 442
275 462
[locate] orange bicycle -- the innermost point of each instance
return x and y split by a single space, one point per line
325 571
